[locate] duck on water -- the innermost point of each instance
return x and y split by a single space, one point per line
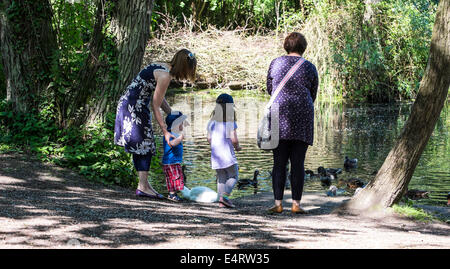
244 183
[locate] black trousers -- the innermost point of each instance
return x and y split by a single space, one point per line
295 151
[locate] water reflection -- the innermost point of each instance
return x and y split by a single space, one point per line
366 132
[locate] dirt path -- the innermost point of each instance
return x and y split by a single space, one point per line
44 206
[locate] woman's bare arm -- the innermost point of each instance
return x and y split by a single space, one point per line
162 82
165 106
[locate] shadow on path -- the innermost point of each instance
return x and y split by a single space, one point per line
44 206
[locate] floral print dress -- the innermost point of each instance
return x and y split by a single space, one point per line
133 127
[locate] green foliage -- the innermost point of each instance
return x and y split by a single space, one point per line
256 14
360 59
379 59
74 24
89 150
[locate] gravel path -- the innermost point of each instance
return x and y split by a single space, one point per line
44 206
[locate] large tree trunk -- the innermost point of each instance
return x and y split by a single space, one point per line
130 25
395 174
87 82
27 46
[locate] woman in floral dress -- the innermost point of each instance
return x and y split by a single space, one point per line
133 127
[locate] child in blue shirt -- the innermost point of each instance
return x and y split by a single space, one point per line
173 155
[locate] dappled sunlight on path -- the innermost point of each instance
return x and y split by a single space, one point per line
44 206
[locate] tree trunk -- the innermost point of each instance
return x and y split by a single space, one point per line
87 81
27 46
200 13
131 26
392 179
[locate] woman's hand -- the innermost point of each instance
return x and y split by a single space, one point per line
175 142
167 136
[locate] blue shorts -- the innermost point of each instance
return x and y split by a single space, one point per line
142 162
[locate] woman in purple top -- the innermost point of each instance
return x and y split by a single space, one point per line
296 119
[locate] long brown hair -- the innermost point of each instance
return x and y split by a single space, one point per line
184 65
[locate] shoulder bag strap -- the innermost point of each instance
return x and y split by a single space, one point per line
288 75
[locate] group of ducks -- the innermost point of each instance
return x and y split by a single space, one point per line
325 175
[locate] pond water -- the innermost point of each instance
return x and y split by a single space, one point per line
363 131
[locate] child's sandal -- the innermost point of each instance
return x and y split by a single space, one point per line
174 197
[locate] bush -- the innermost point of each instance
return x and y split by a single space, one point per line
90 150
378 60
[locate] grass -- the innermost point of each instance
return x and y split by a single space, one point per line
414 213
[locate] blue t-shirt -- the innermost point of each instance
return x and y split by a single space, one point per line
172 155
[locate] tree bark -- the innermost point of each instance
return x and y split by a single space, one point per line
27 46
87 81
131 26
392 179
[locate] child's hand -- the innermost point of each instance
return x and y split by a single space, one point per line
238 148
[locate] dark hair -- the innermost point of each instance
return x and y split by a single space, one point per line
224 115
223 102
174 115
184 65
295 42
